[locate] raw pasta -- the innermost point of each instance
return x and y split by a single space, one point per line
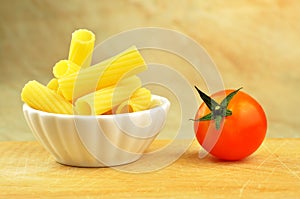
140 100
43 98
81 48
64 67
53 84
108 87
154 103
102 75
105 99
124 107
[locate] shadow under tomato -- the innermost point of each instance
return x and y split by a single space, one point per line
194 157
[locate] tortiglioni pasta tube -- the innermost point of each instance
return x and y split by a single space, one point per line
107 98
104 74
53 84
65 67
140 100
81 48
43 98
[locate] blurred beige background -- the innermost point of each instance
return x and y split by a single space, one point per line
255 44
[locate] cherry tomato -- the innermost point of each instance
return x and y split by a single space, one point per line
242 125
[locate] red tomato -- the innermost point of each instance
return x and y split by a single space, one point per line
239 135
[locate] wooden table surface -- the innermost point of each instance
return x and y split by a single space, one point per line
28 171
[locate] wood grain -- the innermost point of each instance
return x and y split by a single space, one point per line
28 171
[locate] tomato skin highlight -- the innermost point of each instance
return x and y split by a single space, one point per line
240 134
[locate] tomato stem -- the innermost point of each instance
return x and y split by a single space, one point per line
218 111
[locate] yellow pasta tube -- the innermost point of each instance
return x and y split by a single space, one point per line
64 67
42 98
155 103
104 74
105 99
81 47
124 107
53 84
140 100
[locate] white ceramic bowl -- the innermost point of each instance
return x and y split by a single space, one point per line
97 141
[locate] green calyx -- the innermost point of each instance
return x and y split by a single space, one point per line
218 111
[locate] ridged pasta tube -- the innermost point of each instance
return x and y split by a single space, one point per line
43 98
53 84
104 74
64 67
81 47
140 100
105 99
155 103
